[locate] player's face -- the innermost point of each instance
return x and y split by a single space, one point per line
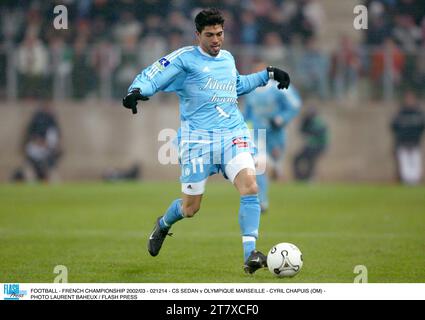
211 39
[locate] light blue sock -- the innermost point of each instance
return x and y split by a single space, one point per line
173 214
249 222
262 182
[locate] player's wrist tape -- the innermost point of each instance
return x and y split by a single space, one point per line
135 90
270 71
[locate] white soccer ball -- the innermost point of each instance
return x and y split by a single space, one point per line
285 260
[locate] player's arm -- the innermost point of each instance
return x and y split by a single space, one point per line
156 77
246 83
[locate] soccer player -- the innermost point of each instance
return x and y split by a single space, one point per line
270 109
213 136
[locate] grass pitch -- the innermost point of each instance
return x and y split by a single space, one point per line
99 232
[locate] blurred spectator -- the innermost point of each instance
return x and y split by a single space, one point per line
154 25
420 66
33 63
413 8
315 133
151 48
105 9
179 24
408 36
387 66
314 15
249 32
346 66
175 39
312 70
127 66
42 146
261 8
100 29
105 61
34 22
12 21
82 74
127 27
406 33
408 126
304 20
271 23
273 50
60 66
84 8
151 7
378 27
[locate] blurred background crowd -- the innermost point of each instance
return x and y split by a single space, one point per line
339 71
108 42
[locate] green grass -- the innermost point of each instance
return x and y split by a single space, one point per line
99 232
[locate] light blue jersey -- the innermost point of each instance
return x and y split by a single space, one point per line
267 103
213 130
208 87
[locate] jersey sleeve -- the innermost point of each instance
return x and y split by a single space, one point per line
163 75
246 83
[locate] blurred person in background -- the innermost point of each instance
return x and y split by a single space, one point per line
270 109
249 29
313 66
273 49
346 66
42 146
379 26
33 64
408 36
82 73
315 133
127 34
407 127
387 66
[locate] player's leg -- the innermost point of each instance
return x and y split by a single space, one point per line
249 217
193 185
179 209
241 172
191 204
186 207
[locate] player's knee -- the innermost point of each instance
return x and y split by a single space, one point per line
250 187
190 210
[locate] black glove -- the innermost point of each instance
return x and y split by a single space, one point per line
130 100
280 76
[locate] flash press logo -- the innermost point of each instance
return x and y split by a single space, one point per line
12 292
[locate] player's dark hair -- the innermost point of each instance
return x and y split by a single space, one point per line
208 17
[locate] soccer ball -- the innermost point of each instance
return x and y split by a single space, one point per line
284 260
